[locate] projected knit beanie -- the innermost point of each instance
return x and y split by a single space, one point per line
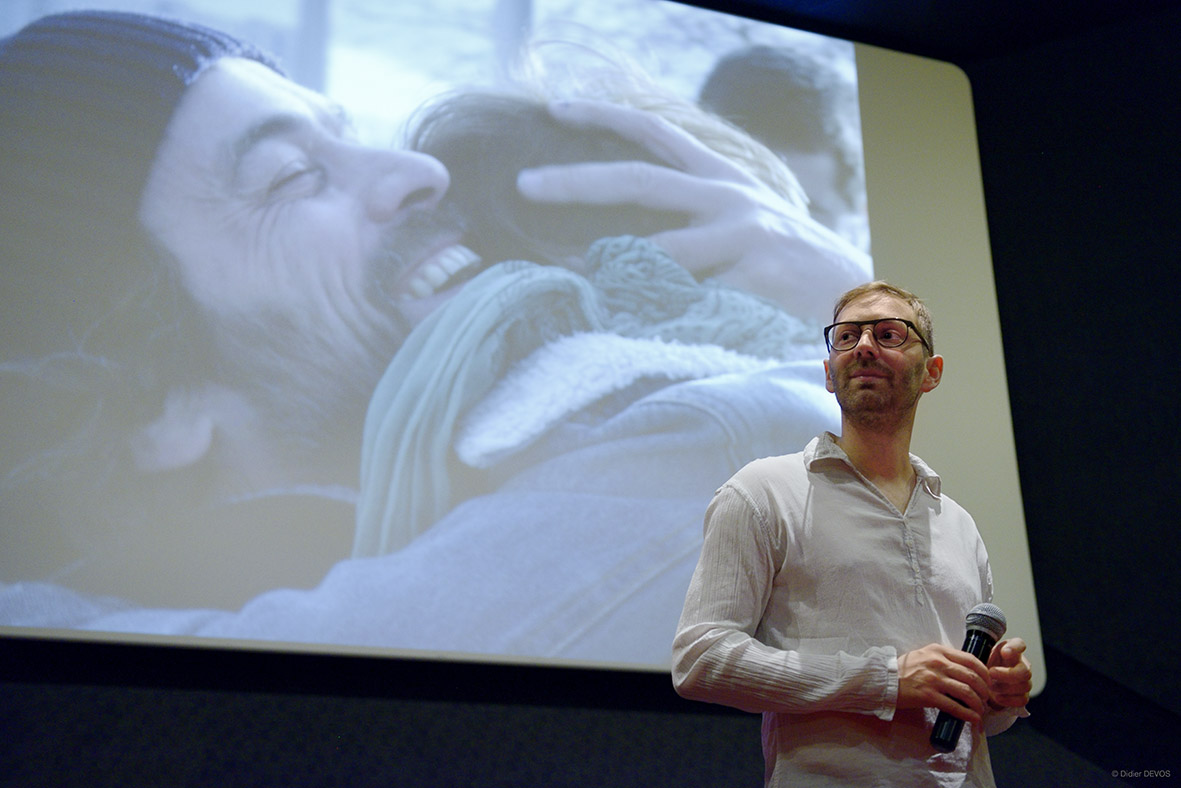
85 99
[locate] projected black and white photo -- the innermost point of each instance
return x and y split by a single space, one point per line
428 327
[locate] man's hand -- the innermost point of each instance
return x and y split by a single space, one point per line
741 232
1009 674
944 678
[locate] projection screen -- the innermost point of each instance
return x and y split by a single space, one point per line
242 412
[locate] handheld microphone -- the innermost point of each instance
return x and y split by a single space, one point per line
986 625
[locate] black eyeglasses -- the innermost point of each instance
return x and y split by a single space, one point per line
887 332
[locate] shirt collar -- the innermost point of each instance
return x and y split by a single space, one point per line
824 447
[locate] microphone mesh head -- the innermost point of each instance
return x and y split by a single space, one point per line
987 618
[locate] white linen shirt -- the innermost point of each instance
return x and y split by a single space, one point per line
809 586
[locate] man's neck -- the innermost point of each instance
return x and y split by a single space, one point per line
881 452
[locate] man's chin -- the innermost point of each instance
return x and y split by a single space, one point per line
863 401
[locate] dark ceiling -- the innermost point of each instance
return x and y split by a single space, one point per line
960 31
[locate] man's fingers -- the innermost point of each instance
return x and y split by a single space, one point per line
973 670
970 688
946 679
624 182
959 702
1007 652
1011 686
668 142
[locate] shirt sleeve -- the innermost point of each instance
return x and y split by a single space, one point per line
716 655
1000 720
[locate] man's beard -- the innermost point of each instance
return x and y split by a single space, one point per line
310 385
882 406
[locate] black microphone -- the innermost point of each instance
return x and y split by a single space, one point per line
986 625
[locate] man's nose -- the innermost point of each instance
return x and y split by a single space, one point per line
867 344
402 181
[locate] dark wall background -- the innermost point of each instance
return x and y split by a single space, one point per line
1078 141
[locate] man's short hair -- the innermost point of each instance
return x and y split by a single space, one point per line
85 101
922 313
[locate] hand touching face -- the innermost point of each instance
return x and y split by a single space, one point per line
741 231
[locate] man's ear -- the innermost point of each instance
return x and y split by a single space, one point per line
934 373
828 384
181 436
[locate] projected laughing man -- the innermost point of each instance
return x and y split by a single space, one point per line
243 352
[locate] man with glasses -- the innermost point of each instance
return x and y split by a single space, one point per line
833 583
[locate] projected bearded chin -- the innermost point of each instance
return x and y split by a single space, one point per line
315 383
505 442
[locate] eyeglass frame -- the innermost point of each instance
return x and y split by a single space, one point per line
861 324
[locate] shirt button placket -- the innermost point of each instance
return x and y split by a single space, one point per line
916 576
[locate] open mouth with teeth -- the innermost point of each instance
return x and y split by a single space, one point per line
435 280
449 268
